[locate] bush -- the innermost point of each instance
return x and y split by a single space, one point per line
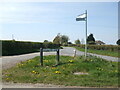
100 47
11 47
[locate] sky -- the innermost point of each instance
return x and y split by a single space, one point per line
39 21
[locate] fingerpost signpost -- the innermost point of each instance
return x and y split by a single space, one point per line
83 17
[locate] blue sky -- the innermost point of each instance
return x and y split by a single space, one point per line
39 21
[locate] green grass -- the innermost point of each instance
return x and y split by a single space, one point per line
101 73
101 52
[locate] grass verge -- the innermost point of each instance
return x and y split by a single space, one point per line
101 73
101 52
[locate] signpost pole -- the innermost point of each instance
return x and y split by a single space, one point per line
86 38
41 56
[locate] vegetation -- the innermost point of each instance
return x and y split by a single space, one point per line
57 39
108 50
77 41
118 42
101 73
11 47
90 39
112 48
46 41
61 39
100 52
64 40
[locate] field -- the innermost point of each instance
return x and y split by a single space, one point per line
96 72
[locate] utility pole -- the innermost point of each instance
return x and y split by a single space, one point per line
12 37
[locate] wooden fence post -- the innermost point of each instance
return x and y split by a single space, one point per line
57 57
41 56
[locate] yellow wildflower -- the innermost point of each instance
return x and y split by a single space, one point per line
7 79
71 61
33 71
53 67
57 72
46 61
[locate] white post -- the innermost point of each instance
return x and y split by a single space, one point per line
12 37
86 37
74 55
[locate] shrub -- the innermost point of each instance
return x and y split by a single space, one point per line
100 47
10 47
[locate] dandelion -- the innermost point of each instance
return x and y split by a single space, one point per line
71 61
53 67
57 72
46 61
7 79
33 71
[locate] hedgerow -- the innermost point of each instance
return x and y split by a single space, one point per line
11 47
100 47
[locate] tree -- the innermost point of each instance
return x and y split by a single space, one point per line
64 39
90 39
118 42
46 41
77 41
61 39
69 42
57 39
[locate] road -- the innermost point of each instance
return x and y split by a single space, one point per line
70 52
9 61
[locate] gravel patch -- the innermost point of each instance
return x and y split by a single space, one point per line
37 85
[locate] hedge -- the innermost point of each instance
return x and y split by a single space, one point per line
115 48
11 47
